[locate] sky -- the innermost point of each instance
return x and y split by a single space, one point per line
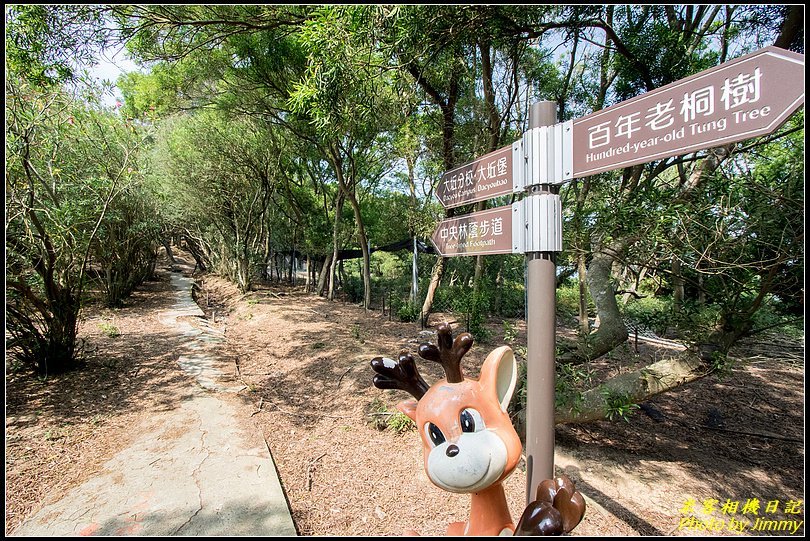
112 63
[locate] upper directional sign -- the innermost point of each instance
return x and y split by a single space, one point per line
746 97
487 177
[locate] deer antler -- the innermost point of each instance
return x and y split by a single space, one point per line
448 352
400 374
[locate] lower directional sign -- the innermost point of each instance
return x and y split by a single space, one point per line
484 232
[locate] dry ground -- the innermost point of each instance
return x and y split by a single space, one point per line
305 362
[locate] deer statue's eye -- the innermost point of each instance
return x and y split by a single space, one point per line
435 434
467 421
470 420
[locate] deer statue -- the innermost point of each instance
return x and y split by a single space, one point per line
470 445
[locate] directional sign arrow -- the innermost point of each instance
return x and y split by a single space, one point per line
481 179
746 97
485 232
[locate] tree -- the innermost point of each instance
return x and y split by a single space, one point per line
342 95
50 45
217 176
66 163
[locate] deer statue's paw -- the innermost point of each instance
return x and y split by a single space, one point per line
557 509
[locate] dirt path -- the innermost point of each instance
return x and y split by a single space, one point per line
304 364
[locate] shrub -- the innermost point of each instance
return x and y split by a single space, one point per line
409 312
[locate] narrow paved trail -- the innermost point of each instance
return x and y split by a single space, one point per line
192 471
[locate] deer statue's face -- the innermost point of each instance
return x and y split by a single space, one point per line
468 438
469 441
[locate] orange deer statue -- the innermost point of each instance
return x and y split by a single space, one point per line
469 442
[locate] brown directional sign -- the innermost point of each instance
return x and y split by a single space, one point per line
484 232
746 97
487 177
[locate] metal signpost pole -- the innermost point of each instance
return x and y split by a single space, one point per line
540 330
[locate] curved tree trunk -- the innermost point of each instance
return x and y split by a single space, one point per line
447 105
168 246
362 239
635 387
612 330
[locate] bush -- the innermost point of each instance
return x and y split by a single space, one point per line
693 322
653 313
568 300
409 312
400 423
475 306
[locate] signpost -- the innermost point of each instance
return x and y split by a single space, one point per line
744 98
485 232
487 177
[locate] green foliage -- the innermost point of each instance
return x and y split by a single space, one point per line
568 300
475 307
357 334
382 418
400 423
409 312
126 243
618 405
518 402
68 167
569 383
109 329
50 44
654 313
264 114
721 365
776 315
215 178
509 332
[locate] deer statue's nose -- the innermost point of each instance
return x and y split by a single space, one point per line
452 450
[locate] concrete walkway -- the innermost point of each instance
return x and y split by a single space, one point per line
195 474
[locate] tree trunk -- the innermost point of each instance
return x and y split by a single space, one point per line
435 279
494 133
347 187
362 239
447 105
581 249
342 275
308 283
677 285
611 331
584 321
324 276
497 299
635 387
641 274
167 245
335 244
243 268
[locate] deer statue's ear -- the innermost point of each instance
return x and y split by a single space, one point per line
499 375
408 407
